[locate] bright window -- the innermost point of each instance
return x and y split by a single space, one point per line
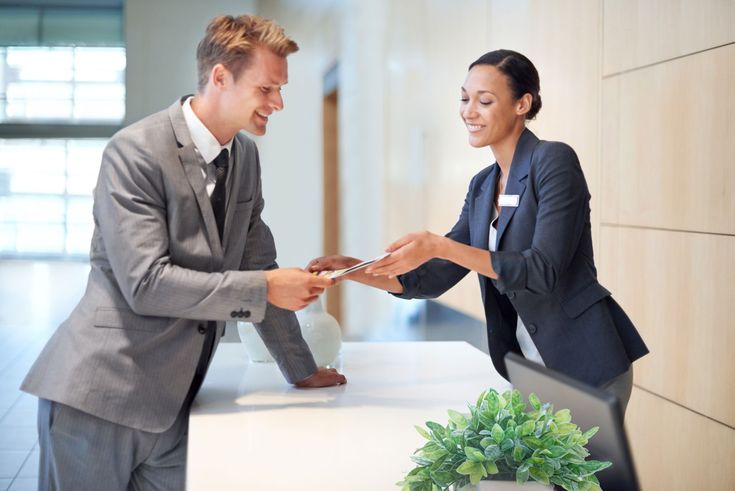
46 196
62 84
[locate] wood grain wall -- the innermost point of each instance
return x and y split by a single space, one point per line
667 230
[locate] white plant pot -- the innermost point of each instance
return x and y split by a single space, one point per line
321 332
254 346
506 486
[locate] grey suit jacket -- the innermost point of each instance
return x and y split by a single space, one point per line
128 351
545 266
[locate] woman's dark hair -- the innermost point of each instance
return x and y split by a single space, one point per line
522 75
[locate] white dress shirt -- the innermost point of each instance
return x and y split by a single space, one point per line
206 144
528 348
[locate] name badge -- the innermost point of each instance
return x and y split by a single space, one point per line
508 200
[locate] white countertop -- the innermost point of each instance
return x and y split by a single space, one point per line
251 430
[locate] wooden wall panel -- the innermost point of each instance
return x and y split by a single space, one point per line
677 450
641 32
667 158
677 289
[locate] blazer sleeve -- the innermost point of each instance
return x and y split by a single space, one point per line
130 213
434 277
563 201
279 329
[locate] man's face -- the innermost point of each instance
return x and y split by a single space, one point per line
248 102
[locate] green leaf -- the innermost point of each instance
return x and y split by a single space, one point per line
474 454
565 428
457 418
486 442
518 453
563 416
436 428
528 427
591 432
539 475
423 432
443 479
491 467
498 433
493 452
522 474
535 402
506 445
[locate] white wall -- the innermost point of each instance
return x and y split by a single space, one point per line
161 37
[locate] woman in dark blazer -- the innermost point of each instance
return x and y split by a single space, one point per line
525 229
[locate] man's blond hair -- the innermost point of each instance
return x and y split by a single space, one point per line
231 41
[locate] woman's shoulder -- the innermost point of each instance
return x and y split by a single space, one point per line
553 150
480 177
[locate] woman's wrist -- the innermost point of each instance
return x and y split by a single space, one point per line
442 248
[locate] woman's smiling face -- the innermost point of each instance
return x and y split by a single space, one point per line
488 107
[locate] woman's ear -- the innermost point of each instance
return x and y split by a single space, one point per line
523 105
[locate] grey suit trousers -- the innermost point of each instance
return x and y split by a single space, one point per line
81 452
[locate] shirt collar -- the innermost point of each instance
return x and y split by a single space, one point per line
203 139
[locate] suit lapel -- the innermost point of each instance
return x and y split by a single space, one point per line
192 163
480 226
516 184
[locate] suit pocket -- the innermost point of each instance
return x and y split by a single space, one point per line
244 205
577 303
111 317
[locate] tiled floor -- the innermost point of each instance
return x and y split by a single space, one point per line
34 298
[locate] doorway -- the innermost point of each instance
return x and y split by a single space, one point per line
331 198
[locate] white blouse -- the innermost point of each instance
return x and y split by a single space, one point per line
528 348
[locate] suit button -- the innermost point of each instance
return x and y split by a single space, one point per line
246 314
201 329
532 328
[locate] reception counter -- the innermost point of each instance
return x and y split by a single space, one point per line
251 430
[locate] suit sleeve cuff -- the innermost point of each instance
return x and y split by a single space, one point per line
511 270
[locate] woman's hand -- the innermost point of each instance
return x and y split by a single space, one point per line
332 263
408 253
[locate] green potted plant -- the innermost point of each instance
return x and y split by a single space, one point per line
501 440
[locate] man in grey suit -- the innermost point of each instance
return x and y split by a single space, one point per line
179 247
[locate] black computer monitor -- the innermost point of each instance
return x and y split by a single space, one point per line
590 406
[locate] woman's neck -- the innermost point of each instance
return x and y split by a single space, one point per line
505 149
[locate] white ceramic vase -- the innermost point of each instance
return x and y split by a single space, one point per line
254 346
321 332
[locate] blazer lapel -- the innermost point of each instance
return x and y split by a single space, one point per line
516 184
480 225
192 163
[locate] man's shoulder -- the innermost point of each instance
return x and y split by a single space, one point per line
148 129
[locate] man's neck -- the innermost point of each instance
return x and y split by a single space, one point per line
205 109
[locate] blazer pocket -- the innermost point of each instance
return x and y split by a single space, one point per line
244 205
577 303
111 317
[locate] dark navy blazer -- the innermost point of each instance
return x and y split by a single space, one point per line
544 261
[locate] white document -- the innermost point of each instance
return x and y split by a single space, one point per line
341 272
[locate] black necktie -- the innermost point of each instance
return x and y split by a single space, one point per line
219 195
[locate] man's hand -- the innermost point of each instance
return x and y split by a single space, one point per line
324 377
333 263
293 288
